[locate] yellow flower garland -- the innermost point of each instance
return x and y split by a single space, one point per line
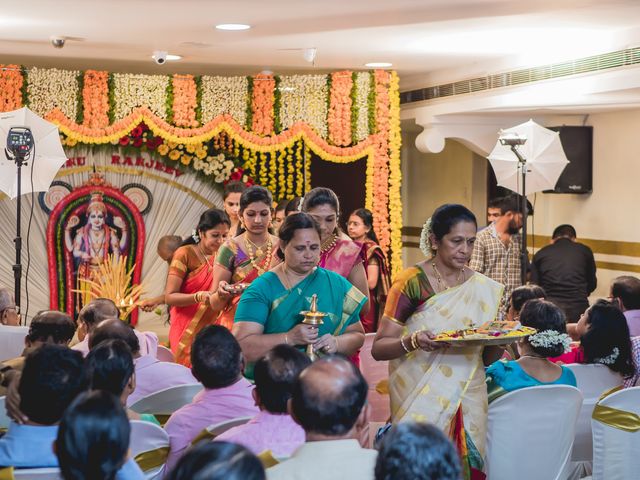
395 176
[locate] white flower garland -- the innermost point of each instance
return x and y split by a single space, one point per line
425 241
50 88
609 359
224 95
195 236
551 338
363 85
133 91
218 166
304 99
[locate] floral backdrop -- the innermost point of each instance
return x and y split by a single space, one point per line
260 128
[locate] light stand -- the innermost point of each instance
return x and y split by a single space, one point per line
513 141
19 147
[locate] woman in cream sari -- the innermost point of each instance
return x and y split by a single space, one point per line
430 381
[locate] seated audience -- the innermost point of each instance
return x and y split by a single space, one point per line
328 401
93 440
47 327
109 367
273 428
218 461
8 312
520 296
533 368
604 339
625 292
417 451
152 375
217 363
102 309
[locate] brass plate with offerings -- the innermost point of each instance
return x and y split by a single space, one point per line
489 333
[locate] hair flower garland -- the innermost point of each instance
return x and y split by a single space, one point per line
609 359
195 236
425 242
550 338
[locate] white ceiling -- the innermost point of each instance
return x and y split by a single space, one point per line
427 41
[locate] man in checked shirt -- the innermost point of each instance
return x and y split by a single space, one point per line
496 252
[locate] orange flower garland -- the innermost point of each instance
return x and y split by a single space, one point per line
95 99
11 82
262 104
184 100
339 115
395 176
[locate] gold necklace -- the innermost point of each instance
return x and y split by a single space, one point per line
441 282
258 249
329 243
254 255
204 256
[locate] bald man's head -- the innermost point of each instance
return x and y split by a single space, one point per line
114 329
167 246
328 396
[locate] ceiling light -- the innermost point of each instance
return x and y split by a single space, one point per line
233 26
173 58
378 65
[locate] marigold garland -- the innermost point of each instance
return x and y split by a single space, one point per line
339 116
184 100
95 99
395 175
262 104
11 87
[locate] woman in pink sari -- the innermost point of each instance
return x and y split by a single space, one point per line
190 276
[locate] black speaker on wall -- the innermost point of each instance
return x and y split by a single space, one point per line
577 143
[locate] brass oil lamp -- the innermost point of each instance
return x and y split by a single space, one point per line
313 317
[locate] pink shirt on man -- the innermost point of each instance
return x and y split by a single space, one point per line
152 375
267 431
148 344
633 320
208 407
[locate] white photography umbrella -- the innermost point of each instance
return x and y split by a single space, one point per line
28 165
528 158
542 151
49 155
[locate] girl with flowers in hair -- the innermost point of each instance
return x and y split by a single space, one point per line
93 243
533 368
429 382
604 338
188 282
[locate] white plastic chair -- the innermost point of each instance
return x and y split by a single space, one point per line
530 433
37 474
167 401
164 354
12 341
212 431
4 418
148 437
616 453
593 381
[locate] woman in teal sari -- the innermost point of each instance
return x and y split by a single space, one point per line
269 310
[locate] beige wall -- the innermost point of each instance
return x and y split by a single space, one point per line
610 213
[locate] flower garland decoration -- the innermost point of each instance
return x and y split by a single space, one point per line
609 359
304 99
51 88
224 95
262 104
95 99
381 170
132 91
218 166
248 107
79 99
184 100
425 241
395 175
11 86
339 115
551 338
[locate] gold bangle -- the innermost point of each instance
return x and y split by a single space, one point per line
414 341
337 344
403 345
286 340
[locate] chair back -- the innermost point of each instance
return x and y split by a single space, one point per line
212 431
616 451
149 445
165 355
12 341
593 381
375 372
530 433
167 401
37 474
4 418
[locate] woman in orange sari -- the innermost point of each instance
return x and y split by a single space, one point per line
246 256
360 228
190 276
